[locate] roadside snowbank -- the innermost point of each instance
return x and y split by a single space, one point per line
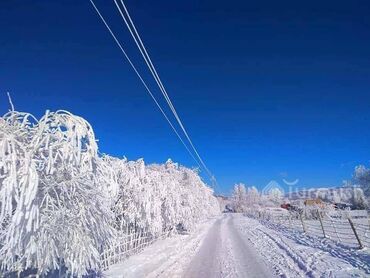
164 258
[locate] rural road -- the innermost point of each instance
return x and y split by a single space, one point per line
235 246
226 253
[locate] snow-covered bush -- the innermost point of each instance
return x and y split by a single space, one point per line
159 197
52 209
61 203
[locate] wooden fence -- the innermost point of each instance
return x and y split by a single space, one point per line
127 245
350 228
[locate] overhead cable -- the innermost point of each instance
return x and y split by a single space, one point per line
139 43
141 79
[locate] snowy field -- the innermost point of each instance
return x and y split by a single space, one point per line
234 245
334 225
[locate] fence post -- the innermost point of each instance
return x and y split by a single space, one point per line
321 223
335 229
355 232
303 224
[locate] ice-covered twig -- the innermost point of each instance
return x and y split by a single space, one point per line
10 101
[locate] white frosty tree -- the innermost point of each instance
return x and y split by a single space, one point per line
362 177
275 195
61 204
253 196
358 199
239 197
53 211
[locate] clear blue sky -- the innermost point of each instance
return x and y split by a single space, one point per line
265 88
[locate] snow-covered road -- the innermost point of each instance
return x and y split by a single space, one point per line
237 246
225 253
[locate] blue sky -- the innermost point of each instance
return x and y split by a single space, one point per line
266 90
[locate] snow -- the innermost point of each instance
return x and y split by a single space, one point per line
226 253
168 257
62 205
336 223
237 246
293 254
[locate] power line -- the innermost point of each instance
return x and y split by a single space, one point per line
141 79
148 61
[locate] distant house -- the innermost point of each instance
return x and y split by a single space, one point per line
313 202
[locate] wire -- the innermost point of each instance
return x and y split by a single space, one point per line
141 79
134 33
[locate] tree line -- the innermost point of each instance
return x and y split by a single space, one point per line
62 203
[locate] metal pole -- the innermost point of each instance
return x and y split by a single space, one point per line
355 233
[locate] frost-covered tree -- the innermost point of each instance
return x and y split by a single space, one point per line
239 197
362 178
156 197
358 199
61 204
252 197
244 198
275 195
185 198
336 198
52 209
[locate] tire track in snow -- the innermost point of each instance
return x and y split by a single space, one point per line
323 250
297 255
296 258
224 253
283 265
175 265
208 262
164 258
249 263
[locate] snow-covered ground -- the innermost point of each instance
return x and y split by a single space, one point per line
225 252
293 254
237 246
164 258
